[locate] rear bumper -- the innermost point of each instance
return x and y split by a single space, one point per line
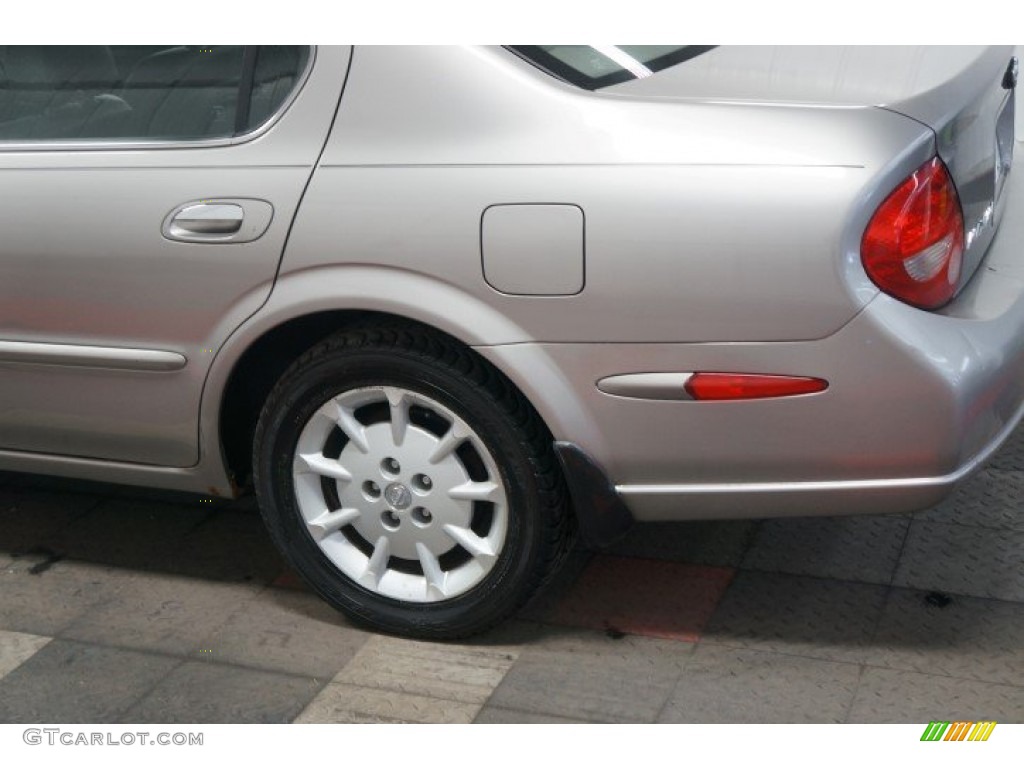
917 401
800 498
921 400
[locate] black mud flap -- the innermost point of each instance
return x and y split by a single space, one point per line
600 513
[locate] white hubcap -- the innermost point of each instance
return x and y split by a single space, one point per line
400 494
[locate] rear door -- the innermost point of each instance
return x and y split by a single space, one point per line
145 198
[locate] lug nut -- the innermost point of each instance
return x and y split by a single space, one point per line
421 516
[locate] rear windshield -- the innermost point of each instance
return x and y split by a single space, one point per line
598 66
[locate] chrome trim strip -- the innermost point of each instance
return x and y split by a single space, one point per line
79 355
208 479
788 487
647 386
817 486
100 145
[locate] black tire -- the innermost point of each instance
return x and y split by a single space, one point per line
538 528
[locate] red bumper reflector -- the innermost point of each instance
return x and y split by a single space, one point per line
750 386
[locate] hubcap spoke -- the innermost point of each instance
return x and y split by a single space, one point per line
324 525
321 465
350 425
486 491
399 404
448 443
432 571
377 565
469 541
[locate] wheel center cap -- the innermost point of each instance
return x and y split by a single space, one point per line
398 496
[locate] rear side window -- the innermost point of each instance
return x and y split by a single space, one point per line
143 93
599 66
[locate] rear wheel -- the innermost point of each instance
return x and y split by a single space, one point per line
409 483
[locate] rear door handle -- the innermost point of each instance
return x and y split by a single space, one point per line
231 220
206 219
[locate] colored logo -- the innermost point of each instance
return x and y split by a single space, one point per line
960 731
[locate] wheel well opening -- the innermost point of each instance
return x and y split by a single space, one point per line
266 360
255 374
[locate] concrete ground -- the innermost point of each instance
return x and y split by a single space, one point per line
121 605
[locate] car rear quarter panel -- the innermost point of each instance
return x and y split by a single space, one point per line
703 222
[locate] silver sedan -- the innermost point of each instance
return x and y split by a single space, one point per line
443 308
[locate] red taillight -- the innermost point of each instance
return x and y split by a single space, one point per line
913 246
749 386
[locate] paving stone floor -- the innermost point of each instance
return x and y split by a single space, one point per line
123 605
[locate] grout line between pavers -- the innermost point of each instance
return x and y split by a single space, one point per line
400 692
856 692
865 664
497 685
261 590
1012 528
97 501
76 517
878 584
787 654
521 711
886 599
868 665
751 540
49 639
494 690
40 488
899 555
839 580
679 678
185 656
815 576
384 689
149 689
700 639
205 520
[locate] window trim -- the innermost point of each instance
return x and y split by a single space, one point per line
245 83
556 68
120 145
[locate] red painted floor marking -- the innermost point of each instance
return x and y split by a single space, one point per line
636 596
289 579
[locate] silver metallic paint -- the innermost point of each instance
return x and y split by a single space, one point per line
687 200
70 280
